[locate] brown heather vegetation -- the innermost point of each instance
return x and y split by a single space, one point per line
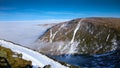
96 34
9 59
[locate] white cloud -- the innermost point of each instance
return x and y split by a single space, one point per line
58 12
6 8
65 13
37 21
24 34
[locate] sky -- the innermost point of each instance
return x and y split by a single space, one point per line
58 10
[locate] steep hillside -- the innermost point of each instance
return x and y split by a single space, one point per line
37 59
93 35
10 59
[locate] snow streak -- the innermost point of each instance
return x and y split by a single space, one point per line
52 35
73 44
75 31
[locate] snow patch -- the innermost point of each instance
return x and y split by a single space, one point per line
38 60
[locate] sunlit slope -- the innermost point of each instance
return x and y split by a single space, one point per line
92 35
38 60
10 59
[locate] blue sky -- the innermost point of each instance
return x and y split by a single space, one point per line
27 10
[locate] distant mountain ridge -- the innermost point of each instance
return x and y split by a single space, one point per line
94 35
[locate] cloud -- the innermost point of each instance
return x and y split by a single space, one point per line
37 21
24 17
58 12
6 8
64 13
24 34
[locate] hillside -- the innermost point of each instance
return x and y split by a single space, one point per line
94 35
37 59
10 59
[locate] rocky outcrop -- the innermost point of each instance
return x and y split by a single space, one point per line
93 35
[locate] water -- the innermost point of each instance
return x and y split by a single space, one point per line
106 60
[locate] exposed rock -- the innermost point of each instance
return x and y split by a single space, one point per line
85 36
47 66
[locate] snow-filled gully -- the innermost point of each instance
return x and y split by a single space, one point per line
52 35
38 60
73 44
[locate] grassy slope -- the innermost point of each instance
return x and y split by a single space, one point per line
14 59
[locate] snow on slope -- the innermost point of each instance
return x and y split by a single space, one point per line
38 60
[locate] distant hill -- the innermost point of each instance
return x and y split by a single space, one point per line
51 24
94 35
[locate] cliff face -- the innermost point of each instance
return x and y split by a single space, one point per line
85 36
